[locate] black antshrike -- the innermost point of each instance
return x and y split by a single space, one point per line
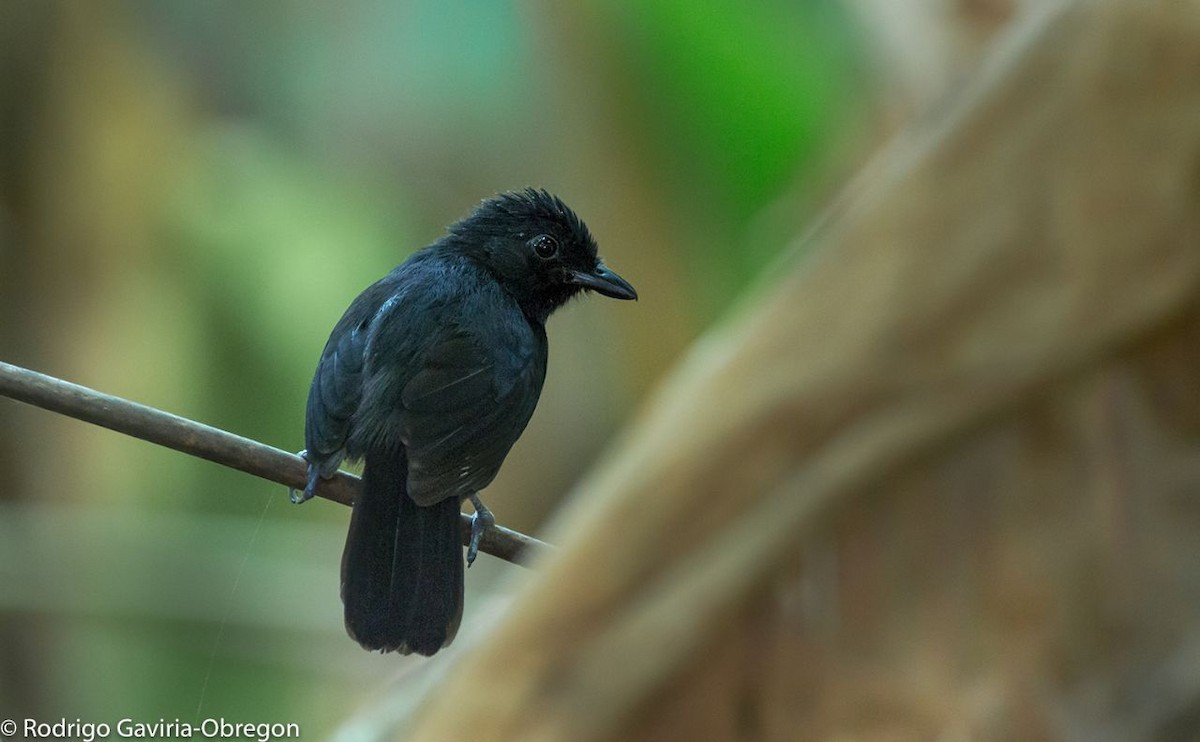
430 377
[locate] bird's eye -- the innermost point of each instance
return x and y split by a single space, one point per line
544 246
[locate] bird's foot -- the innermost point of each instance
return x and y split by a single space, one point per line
297 496
480 522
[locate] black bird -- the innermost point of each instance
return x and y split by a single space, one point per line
430 377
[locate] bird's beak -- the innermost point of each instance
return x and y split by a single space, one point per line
603 281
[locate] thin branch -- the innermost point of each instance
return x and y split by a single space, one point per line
216 445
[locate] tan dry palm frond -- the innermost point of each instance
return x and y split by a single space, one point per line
938 481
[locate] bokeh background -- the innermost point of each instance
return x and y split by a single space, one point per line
192 192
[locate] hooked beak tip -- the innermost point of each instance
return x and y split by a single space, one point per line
606 282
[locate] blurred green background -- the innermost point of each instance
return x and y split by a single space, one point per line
192 192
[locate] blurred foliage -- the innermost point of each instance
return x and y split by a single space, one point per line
740 97
192 193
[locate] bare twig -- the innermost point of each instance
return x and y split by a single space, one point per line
216 445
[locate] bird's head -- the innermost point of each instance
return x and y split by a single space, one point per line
538 249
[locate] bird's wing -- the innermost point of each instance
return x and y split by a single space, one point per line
337 385
466 405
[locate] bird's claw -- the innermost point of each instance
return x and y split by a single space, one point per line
481 521
299 496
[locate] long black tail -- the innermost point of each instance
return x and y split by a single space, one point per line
402 569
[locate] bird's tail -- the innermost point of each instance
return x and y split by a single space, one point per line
402 569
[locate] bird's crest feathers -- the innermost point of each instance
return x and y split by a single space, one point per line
531 208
